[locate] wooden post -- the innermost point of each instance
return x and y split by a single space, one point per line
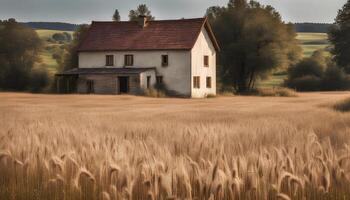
58 84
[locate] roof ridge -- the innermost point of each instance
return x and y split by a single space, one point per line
163 20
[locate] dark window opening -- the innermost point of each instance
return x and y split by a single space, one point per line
165 60
148 82
196 82
208 82
129 60
206 61
109 60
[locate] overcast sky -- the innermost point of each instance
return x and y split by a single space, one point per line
84 11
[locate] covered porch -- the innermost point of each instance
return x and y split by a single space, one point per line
106 80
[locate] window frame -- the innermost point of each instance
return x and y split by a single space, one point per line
196 82
209 83
126 63
164 64
109 60
206 61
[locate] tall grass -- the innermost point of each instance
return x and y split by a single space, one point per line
343 106
102 147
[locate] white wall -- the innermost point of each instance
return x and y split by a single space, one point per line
176 76
203 47
143 79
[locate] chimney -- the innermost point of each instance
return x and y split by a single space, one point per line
142 21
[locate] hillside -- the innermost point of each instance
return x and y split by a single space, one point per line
52 26
50 48
312 27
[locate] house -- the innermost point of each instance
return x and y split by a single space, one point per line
130 57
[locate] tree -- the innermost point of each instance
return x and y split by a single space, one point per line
254 41
70 59
116 16
19 50
142 9
339 37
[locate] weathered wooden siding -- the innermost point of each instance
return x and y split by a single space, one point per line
109 84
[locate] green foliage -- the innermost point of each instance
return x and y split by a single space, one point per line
339 37
317 73
335 79
143 10
116 16
307 67
18 52
70 57
254 42
305 83
276 92
39 79
62 37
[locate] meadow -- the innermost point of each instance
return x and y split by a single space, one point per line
124 147
49 48
309 42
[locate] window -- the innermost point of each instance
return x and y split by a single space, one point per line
165 60
206 61
208 82
109 60
196 82
159 80
148 82
129 60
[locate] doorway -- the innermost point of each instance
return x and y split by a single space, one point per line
123 84
90 86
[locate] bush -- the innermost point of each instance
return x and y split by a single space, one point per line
276 92
343 106
305 83
154 93
335 79
39 79
306 67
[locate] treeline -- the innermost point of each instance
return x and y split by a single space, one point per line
52 26
19 51
312 27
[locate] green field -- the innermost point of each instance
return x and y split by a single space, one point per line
48 49
310 42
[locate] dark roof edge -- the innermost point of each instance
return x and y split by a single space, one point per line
207 26
101 50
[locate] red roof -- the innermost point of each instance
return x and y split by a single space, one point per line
157 35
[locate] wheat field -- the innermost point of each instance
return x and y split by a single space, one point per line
91 147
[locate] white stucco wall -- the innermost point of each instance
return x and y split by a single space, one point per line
203 47
143 79
176 76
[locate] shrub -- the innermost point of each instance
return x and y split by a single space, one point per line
335 79
39 79
151 92
305 83
306 67
343 106
209 96
276 92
